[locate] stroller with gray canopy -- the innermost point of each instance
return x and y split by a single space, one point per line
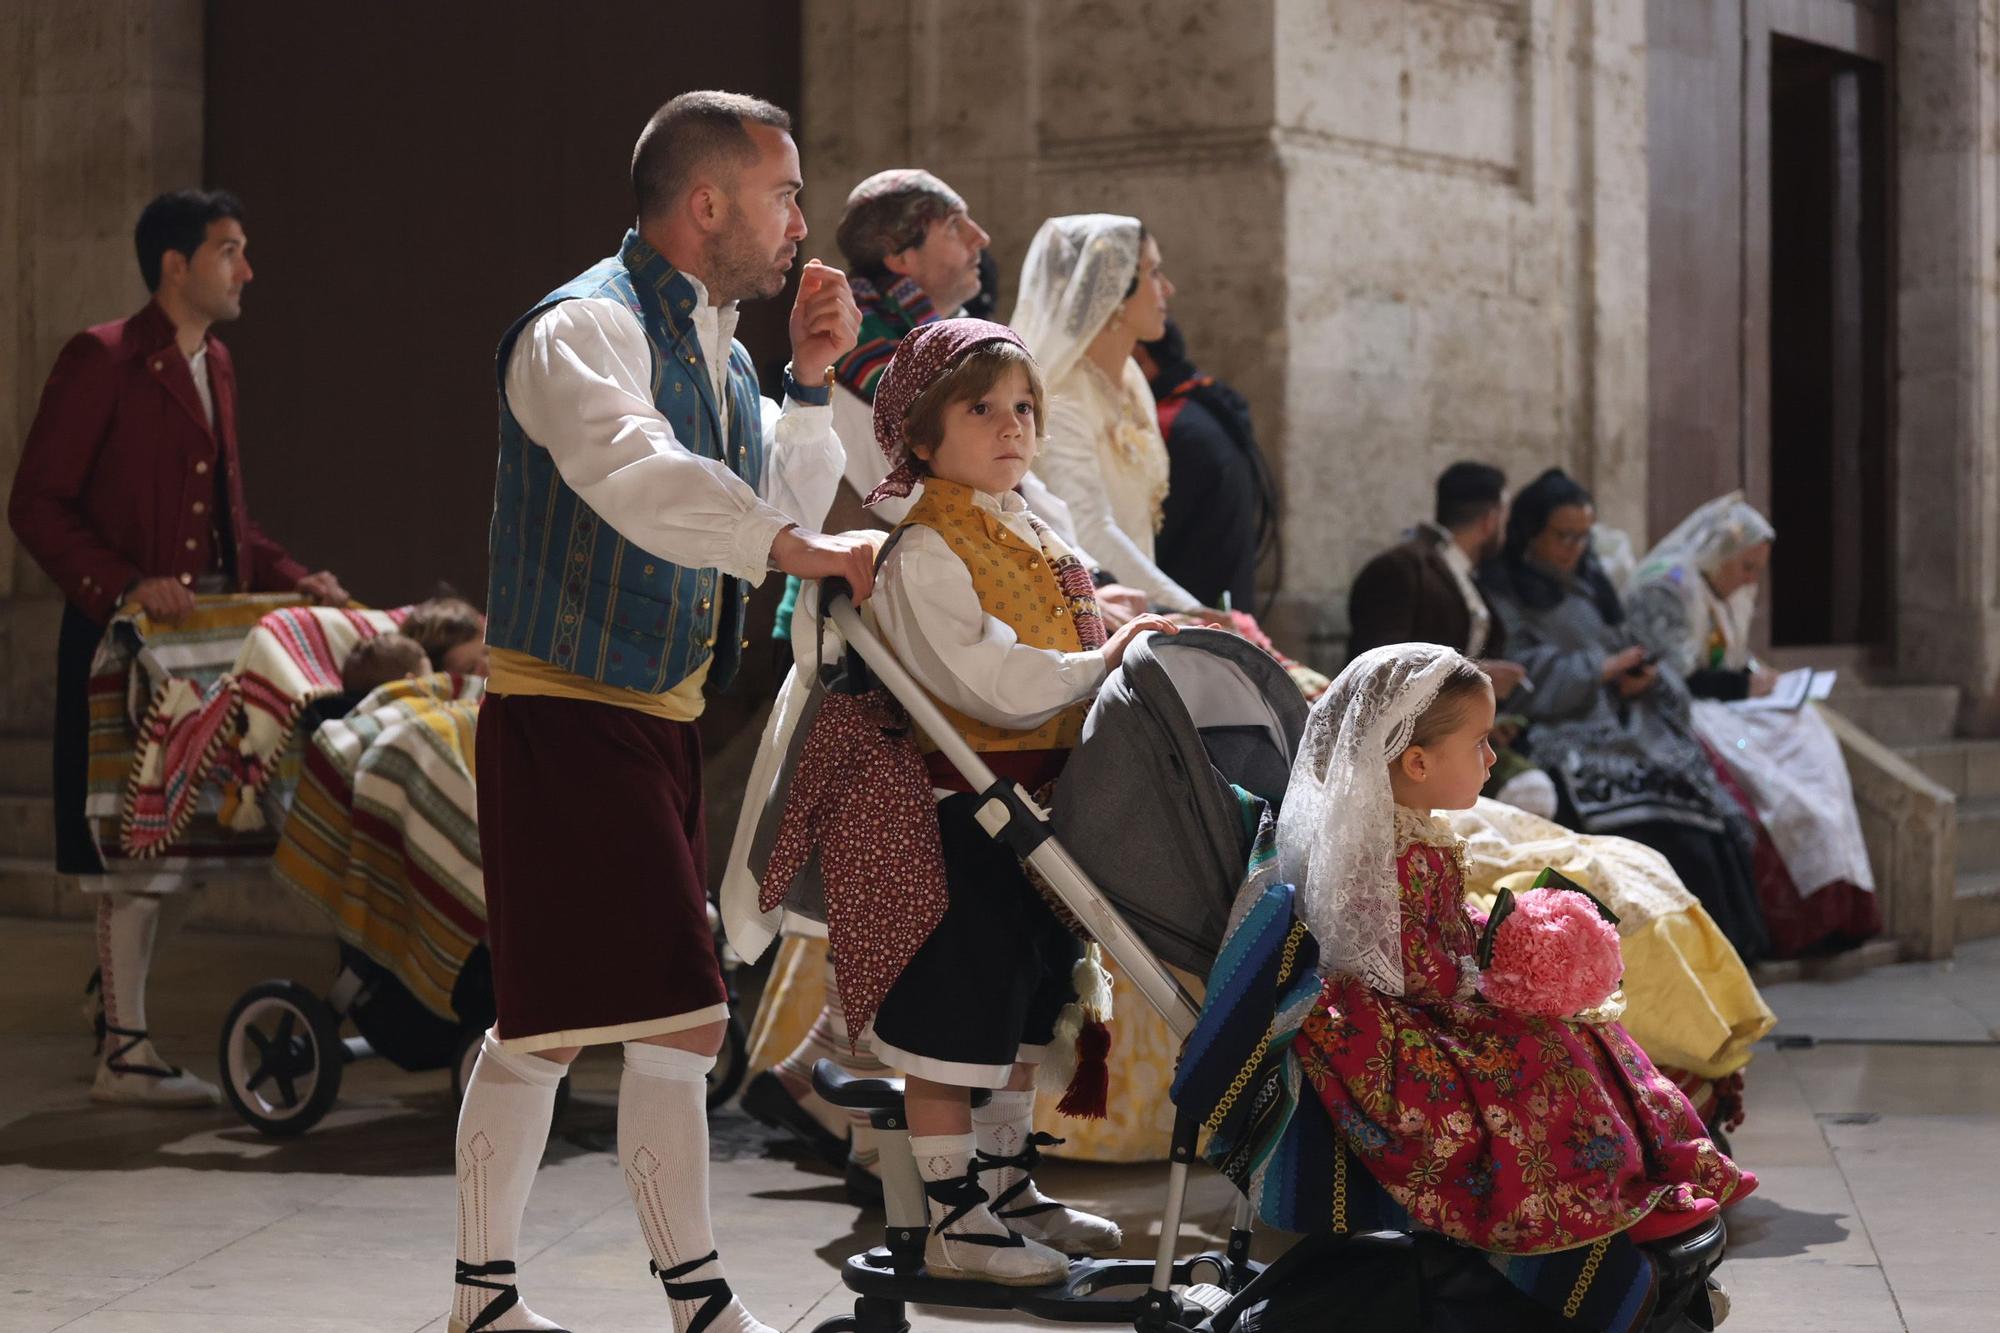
1190 741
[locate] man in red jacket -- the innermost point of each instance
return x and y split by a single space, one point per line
129 491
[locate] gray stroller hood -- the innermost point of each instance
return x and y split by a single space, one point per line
1146 804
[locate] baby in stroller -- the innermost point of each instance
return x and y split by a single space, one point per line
995 618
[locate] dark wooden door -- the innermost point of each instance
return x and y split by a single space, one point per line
414 177
1771 333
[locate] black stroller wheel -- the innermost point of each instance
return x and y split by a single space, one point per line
732 1063
467 1055
281 1058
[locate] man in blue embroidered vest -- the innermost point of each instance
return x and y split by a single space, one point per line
642 484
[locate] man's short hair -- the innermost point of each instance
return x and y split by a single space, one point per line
890 212
1468 492
178 220
691 134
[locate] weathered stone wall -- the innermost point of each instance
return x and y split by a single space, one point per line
1948 348
100 109
1409 230
1465 265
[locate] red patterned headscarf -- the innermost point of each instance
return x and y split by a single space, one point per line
924 355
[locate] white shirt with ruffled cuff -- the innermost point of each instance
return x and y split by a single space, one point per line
580 384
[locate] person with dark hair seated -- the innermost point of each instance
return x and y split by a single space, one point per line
1612 725
1221 511
1424 590
130 490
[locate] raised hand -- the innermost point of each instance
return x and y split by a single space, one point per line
825 322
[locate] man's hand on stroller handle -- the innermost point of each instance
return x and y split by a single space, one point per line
849 556
1115 646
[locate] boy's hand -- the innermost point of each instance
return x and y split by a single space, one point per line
1114 648
825 322
823 555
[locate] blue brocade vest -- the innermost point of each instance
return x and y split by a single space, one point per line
564 587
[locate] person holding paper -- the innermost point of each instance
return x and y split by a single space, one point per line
1693 599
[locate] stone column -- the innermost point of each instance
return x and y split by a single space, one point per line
102 106
1948 345
1465 269
1409 230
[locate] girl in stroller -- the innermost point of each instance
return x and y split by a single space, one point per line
1512 1133
995 618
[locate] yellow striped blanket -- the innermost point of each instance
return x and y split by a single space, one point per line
383 832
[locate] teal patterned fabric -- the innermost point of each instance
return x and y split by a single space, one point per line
564 587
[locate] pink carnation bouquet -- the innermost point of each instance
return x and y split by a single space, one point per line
1551 951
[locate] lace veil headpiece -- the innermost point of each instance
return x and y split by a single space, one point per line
1076 274
1337 830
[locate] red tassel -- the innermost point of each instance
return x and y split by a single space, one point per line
1088 1096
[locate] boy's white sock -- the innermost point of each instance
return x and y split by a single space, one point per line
966 1240
503 1128
663 1148
1004 1130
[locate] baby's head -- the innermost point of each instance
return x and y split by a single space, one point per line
377 661
1448 757
980 423
452 634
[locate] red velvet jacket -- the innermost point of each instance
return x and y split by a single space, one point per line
117 478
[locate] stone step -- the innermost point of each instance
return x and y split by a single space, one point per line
1968 769
27 826
249 901
1978 834
1976 906
24 765
1828 967
1899 715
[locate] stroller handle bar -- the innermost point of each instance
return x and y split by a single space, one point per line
1011 815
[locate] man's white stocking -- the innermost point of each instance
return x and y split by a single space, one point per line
663 1147
128 926
1009 1150
503 1128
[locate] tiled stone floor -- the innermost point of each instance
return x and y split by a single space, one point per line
1880 1157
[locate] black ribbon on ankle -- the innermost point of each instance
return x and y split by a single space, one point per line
712 1292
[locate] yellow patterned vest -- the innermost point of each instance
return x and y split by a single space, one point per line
1016 586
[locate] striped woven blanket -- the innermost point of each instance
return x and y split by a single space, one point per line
190 722
383 832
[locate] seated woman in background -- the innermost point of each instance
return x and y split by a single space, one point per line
1611 726
1091 288
1692 603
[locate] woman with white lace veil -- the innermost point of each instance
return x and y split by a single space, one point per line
1091 289
1694 597
1511 1132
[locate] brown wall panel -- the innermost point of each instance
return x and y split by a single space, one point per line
414 176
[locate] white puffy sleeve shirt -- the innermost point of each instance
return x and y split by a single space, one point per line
579 382
928 611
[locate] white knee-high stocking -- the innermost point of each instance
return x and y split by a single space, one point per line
503 1128
663 1148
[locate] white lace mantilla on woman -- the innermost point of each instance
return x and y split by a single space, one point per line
1788 763
1104 455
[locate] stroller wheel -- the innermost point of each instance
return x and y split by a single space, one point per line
468 1055
281 1058
732 1062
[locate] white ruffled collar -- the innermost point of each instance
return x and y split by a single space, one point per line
1422 826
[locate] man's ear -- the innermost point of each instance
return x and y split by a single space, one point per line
901 262
707 205
173 265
